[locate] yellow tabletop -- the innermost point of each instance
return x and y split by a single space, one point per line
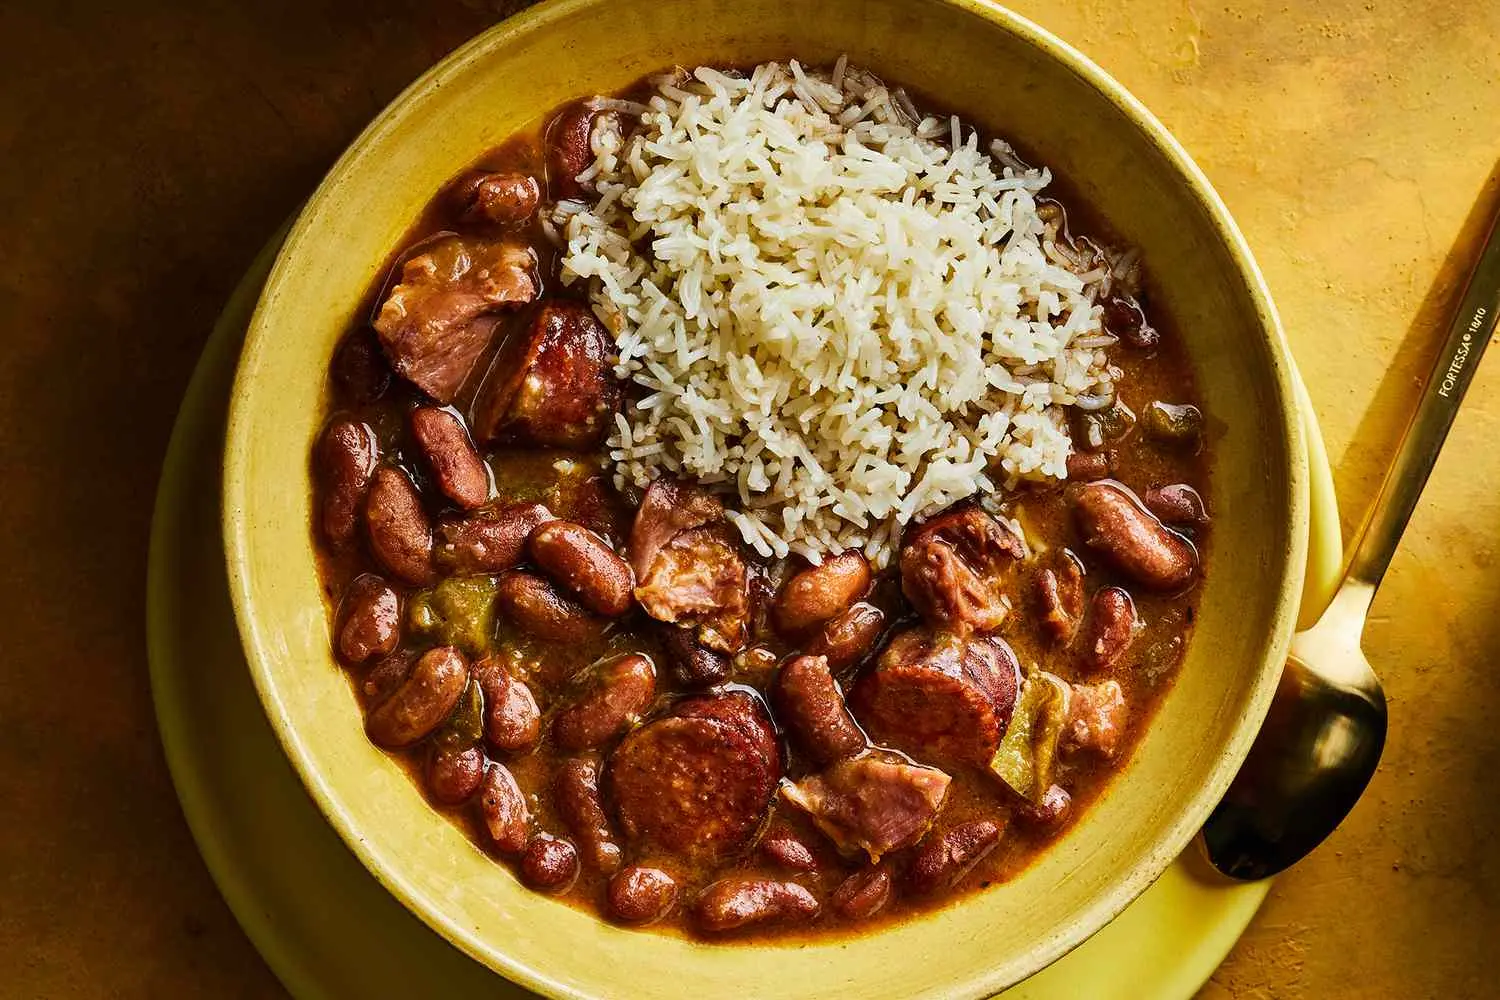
147 151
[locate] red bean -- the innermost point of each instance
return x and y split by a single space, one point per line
1087 466
512 720
817 593
535 605
614 699
358 370
345 462
641 895
1114 523
1112 628
1176 504
576 796
453 776
459 471
581 561
808 703
1050 812
499 198
400 534
846 638
490 539
503 809
787 850
422 702
693 664
1060 591
369 619
549 864
863 894
738 902
942 861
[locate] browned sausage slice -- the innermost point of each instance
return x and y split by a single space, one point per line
400 535
584 563
552 384
614 698
430 324
576 796
512 720
460 473
939 697
955 568
871 804
1115 523
817 593
696 785
489 540
369 619
502 807
808 703
422 702
737 902
346 459
942 862
535 605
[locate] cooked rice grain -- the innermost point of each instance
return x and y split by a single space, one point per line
843 312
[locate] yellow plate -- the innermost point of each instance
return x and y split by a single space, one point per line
329 929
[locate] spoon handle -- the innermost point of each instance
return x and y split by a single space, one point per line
1469 334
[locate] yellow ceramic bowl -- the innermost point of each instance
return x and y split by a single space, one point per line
994 68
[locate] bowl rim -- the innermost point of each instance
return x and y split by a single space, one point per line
1169 842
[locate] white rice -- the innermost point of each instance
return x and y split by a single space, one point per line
844 313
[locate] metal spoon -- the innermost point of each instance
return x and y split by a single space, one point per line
1323 735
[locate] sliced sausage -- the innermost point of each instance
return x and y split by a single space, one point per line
817 593
431 324
863 894
535 605
454 775
502 807
581 561
943 861
422 702
512 720
576 796
871 804
955 567
358 370
459 471
785 848
400 535
846 638
1177 504
614 698
693 664
641 895
1097 717
369 619
488 540
1060 591
940 697
697 784
552 384
1115 524
504 199
738 902
550 864
808 703
346 459
1112 628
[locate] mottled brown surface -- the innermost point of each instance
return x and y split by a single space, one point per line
147 150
